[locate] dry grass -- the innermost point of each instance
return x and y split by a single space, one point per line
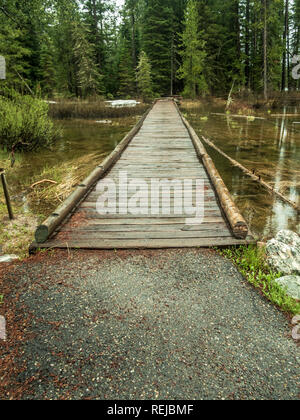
87 110
236 106
16 236
67 176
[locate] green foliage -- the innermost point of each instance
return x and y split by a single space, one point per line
14 52
24 124
75 48
156 42
251 262
88 78
144 77
127 82
193 54
47 73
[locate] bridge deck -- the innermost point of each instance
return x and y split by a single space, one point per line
162 149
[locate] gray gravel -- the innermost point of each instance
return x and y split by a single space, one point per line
178 324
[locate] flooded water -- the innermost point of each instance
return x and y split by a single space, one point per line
271 146
84 142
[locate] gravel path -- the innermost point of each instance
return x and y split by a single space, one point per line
178 324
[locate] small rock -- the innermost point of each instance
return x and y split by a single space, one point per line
8 258
291 284
283 253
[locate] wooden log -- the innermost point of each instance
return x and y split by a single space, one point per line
44 231
285 115
238 116
256 178
6 194
236 221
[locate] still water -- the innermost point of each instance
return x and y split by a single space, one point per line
84 144
271 146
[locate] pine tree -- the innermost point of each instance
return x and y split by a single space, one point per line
15 54
47 67
89 80
193 54
158 21
144 77
66 12
127 83
97 16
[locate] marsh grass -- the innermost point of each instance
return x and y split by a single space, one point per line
251 262
89 110
17 235
66 175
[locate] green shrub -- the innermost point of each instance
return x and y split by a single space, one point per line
25 124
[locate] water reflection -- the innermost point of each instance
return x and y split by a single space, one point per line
271 146
81 138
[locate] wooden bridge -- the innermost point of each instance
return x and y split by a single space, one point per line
162 146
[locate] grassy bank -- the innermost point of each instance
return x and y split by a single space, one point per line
251 262
41 198
243 104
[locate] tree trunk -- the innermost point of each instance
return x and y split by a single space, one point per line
172 65
284 56
265 51
247 45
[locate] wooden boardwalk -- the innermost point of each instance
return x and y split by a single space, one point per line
162 149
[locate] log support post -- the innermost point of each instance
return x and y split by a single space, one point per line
6 194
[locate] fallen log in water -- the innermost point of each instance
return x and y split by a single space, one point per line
285 115
237 222
252 175
250 117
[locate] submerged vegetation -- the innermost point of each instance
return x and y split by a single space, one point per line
58 182
25 124
251 262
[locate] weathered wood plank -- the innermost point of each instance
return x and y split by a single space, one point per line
169 227
146 221
145 243
175 234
